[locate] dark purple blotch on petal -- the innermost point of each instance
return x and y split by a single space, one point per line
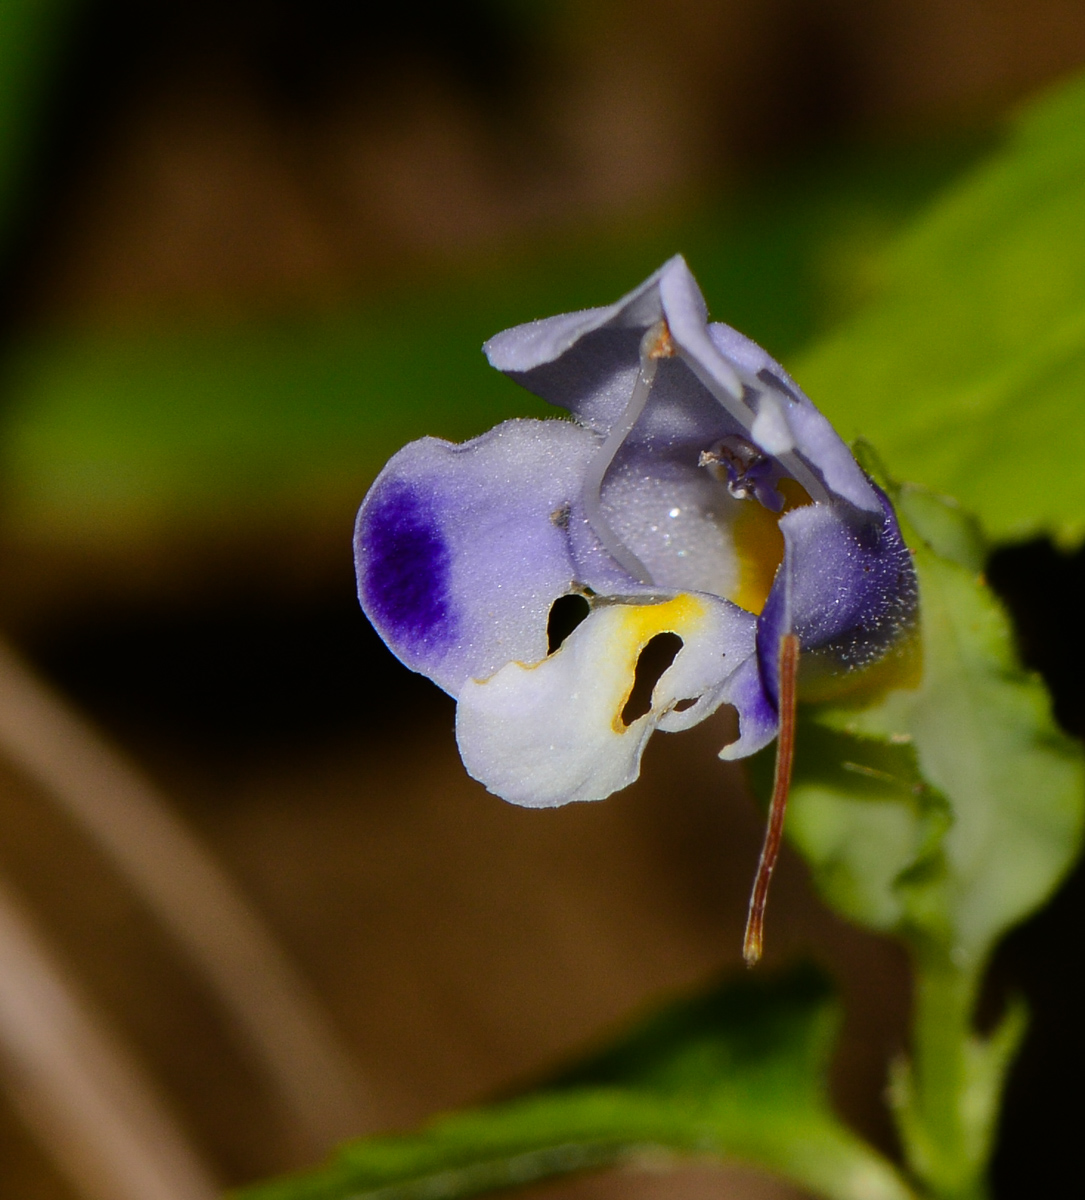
403 571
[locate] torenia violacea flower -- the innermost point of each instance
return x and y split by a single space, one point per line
697 514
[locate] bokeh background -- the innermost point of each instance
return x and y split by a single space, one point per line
247 249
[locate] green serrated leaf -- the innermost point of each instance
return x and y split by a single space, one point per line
737 1073
969 368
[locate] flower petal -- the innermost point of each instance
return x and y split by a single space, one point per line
562 730
669 504
846 587
719 382
758 720
780 400
677 520
462 549
587 362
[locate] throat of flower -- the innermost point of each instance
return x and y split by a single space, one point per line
759 546
754 941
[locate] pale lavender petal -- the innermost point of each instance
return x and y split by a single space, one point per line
675 517
587 362
720 383
682 414
462 549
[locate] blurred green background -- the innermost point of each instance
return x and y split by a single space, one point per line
249 249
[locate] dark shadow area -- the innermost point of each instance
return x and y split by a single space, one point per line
237 676
1045 593
299 58
654 659
566 613
1041 960
823 91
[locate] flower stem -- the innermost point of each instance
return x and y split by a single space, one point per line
946 1099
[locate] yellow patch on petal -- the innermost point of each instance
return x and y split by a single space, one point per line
635 627
759 546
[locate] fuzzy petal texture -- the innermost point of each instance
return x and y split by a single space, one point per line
847 588
784 407
462 549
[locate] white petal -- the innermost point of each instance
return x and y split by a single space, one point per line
548 733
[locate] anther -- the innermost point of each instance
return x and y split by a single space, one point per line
659 343
738 463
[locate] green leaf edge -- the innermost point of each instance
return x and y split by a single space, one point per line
616 1108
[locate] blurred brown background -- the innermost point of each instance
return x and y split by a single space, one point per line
248 154
216 161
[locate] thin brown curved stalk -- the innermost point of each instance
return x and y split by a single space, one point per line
753 942
282 1022
87 1102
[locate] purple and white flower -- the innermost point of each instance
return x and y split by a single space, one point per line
696 505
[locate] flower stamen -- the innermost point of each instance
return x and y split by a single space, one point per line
739 465
753 942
